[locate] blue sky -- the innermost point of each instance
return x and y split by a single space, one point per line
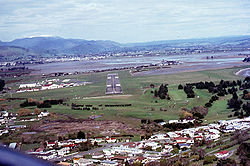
124 20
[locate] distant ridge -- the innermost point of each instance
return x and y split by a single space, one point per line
58 45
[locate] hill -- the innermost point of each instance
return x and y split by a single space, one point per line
6 51
58 45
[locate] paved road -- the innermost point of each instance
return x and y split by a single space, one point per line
113 84
70 157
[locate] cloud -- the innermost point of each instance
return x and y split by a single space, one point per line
124 21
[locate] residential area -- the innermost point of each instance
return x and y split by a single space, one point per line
193 143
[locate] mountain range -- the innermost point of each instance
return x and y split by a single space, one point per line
58 45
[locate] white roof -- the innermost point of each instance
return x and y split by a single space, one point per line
12 145
66 80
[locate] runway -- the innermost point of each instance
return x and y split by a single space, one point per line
113 85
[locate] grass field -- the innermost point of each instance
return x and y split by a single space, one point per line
136 92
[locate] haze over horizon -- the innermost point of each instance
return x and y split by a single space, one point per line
125 22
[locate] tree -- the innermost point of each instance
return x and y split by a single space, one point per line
148 148
199 112
137 163
2 84
209 159
201 153
175 151
195 157
246 108
180 87
226 162
194 150
162 92
81 135
244 152
152 85
247 79
208 104
234 103
247 96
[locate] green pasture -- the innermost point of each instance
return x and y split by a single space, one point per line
136 92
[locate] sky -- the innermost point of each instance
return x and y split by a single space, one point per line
124 21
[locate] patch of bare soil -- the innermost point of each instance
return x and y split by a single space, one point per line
104 127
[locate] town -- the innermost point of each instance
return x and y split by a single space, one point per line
119 151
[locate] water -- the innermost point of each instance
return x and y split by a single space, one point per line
246 73
119 62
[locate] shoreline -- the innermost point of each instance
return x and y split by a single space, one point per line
242 72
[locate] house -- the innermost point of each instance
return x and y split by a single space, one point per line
97 140
173 121
50 144
182 146
198 138
153 157
63 151
17 127
13 145
212 136
159 137
66 80
126 150
31 85
97 155
167 148
141 159
180 140
162 123
82 162
110 140
44 155
64 163
172 134
154 145
189 140
118 158
43 114
36 89
77 141
3 132
109 163
107 152
4 114
222 154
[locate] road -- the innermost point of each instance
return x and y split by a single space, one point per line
70 157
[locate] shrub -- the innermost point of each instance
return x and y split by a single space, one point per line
208 160
180 87
37 111
184 114
208 104
24 112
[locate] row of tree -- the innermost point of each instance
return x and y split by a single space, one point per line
240 108
41 104
2 84
28 112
